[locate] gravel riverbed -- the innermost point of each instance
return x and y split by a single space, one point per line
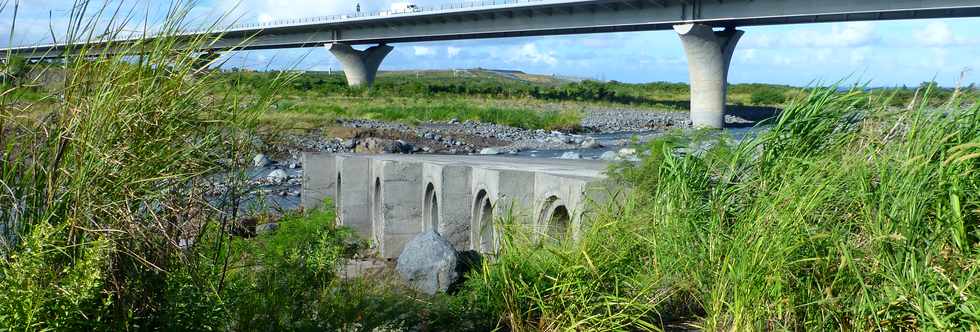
605 133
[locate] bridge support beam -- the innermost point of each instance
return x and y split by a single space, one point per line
709 54
360 67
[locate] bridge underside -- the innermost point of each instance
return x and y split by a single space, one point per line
708 52
392 198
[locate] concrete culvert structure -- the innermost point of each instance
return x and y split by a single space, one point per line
555 219
430 210
483 228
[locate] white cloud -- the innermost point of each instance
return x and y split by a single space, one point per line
841 35
529 53
860 56
424 51
938 59
453 51
747 55
939 34
850 34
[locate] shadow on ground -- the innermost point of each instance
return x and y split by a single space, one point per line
751 116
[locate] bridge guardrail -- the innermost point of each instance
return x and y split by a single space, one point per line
379 14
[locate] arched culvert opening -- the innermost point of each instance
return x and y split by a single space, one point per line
556 219
485 235
337 192
430 208
376 211
337 200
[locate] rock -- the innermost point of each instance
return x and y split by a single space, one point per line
266 228
277 176
489 151
454 121
261 160
244 227
401 146
374 146
609 156
294 165
627 152
428 263
571 155
590 143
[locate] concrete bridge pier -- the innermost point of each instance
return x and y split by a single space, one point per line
360 67
709 54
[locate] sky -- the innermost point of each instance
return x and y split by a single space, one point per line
886 53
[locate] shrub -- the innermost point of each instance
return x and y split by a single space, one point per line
768 98
846 214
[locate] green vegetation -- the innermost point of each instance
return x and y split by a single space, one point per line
847 214
314 112
840 217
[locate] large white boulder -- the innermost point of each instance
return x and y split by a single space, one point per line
428 263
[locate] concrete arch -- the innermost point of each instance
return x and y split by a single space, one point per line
555 219
430 208
484 235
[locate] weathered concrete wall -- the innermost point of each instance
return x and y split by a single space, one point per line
353 193
392 198
398 214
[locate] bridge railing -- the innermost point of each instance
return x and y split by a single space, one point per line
381 13
337 18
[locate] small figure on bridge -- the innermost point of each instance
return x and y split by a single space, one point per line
358 7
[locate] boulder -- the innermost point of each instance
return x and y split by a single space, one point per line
627 152
401 146
428 263
277 176
266 228
374 146
609 156
490 151
378 146
244 227
260 160
571 155
590 143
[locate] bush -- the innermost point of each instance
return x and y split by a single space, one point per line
768 98
846 214
99 194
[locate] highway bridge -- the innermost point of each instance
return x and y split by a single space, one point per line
707 29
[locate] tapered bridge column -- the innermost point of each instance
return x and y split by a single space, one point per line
360 67
709 54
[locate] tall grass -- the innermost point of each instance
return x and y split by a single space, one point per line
100 198
317 112
845 215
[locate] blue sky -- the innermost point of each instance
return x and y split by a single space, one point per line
886 53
